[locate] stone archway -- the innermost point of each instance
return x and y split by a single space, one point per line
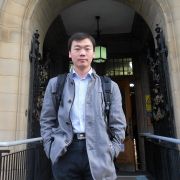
20 19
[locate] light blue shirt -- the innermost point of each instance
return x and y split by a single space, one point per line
77 113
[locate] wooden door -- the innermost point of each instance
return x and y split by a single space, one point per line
126 159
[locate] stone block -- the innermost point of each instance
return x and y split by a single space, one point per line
22 2
7 135
8 102
21 135
22 122
7 121
9 84
9 50
10 21
14 36
15 8
9 67
174 3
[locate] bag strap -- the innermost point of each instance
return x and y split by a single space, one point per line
59 89
106 87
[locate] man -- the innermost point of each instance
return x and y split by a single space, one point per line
76 138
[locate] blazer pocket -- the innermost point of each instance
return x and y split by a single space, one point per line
50 145
54 130
112 151
57 131
47 145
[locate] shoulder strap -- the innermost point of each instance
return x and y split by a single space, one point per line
106 87
59 89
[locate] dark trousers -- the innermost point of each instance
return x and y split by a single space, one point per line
74 164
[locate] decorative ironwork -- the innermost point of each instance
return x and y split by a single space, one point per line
158 80
38 82
162 109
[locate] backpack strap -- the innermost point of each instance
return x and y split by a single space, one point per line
106 87
59 89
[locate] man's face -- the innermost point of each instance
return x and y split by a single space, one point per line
82 53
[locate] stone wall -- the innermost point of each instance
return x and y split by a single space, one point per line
20 18
11 13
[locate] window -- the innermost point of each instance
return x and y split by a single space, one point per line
119 67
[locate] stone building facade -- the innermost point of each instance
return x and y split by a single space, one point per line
18 21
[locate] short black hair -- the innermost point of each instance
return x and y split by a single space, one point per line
80 36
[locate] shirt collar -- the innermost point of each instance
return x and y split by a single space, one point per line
89 74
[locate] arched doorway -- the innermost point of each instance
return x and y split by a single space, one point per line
125 50
40 15
24 17
21 19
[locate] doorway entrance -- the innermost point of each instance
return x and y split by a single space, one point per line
126 160
120 66
121 47
121 71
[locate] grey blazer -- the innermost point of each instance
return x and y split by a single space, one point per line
100 149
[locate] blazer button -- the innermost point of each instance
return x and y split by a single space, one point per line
69 101
68 123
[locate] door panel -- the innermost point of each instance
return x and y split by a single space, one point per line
126 159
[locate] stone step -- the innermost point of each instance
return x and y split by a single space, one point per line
138 177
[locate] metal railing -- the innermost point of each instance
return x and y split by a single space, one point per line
162 159
162 156
28 164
